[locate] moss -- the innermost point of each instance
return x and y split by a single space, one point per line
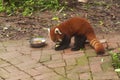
107 66
82 60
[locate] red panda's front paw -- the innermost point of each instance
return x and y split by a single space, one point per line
60 47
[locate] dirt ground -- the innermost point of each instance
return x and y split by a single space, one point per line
104 16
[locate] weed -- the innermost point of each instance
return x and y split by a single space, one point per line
116 59
26 7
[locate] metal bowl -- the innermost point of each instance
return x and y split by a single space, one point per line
37 42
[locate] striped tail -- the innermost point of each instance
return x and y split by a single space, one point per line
97 46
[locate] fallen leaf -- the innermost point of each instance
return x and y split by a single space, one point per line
117 70
55 18
102 60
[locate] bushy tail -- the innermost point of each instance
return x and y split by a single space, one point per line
95 43
97 46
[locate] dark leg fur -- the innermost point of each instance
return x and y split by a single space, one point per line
79 42
64 44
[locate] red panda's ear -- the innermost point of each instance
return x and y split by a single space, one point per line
57 31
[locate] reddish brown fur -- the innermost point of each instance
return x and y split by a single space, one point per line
79 26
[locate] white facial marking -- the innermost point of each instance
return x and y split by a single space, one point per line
57 31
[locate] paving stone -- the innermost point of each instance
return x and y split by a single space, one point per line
52 77
15 73
60 70
43 69
85 76
9 55
90 52
62 78
79 69
105 76
36 55
45 57
51 52
15 61
107 64
54 64
18 76
112 45
32 72
2 50
56 56
4 73
26 50
50 45
81 66
35 50
1 78
68 56
1 44
101 68
95 64
118 44
56 78
70 61
95 67
73 76
25 58
27 65
25 43
45 76
68 68
3 63
12 69
82 60
28 78
68 51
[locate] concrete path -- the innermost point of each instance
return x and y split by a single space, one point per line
20 62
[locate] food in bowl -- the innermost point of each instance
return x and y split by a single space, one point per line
37 42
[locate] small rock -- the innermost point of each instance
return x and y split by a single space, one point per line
84 1
103 40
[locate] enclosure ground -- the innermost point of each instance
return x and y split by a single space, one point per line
18 61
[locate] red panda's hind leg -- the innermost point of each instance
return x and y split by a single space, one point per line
79 42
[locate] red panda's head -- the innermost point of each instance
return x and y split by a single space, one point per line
56 35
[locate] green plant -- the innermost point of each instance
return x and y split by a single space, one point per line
86 6
116 59
27 7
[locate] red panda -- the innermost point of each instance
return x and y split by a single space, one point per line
78 27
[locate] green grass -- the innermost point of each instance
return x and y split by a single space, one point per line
27 7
